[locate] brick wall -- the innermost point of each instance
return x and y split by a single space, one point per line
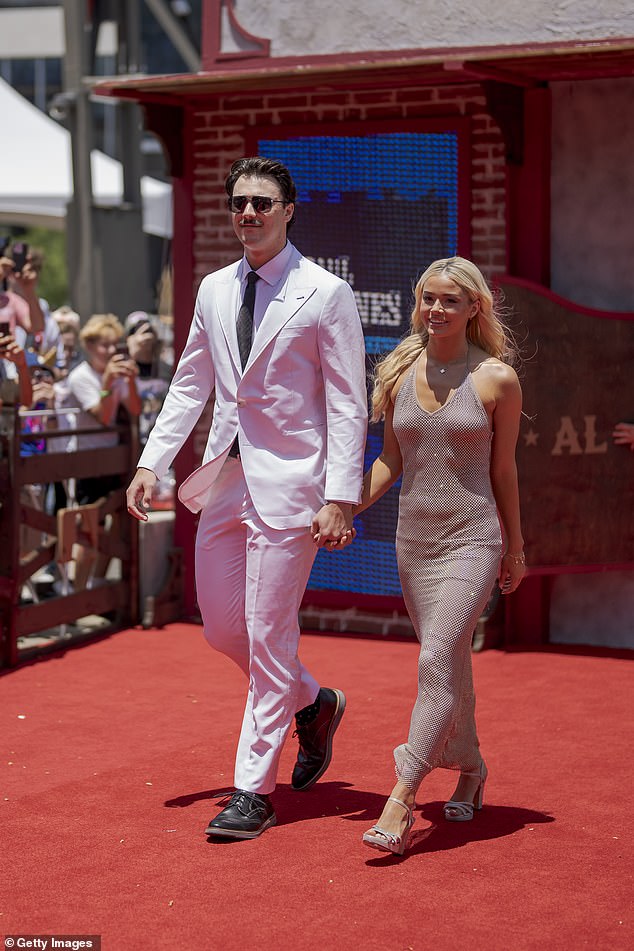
219 138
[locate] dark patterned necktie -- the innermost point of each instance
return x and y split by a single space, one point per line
244 325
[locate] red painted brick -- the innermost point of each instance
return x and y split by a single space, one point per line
434 110
394 111
375 96
318 98
424 95
219 138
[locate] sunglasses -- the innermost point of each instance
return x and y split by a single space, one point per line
261 204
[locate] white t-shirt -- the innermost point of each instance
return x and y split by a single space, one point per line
81 388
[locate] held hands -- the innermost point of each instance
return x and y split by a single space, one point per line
512 570
139 494
331 527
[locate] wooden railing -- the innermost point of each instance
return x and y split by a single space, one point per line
114 600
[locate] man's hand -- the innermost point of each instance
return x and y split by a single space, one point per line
332 527
139 494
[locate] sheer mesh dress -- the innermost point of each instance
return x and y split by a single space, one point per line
448 548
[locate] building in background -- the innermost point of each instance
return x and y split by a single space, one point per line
32 46
118 209
500 132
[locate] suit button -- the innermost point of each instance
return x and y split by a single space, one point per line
242 402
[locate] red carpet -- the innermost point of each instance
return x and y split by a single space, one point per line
115 750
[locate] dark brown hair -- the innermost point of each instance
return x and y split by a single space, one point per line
262 167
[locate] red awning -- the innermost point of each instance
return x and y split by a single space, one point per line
527 66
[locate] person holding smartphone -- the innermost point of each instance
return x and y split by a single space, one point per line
19 273
100 385
15 379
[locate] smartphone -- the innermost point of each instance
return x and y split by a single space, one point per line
5 326
122 349
19 254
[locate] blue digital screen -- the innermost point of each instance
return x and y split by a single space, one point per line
376 210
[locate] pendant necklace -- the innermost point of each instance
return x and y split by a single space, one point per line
444 369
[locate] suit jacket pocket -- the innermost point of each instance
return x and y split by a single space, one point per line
293 330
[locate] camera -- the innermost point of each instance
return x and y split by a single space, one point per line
122 350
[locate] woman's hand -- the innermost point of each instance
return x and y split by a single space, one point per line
118 366
512 570
331 527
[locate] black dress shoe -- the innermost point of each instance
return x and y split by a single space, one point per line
247 816
315 739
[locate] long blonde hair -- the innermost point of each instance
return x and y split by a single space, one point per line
485 330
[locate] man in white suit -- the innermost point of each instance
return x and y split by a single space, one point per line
282 351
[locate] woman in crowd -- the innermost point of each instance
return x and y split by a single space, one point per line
99 386
451 405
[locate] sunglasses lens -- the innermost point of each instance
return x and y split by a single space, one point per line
260 204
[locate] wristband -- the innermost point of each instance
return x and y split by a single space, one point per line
104 393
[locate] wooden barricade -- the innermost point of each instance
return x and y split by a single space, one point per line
55 535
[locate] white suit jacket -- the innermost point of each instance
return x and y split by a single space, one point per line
299 407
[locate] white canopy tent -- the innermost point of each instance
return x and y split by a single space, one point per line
36 176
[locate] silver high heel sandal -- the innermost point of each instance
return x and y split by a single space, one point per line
463 811
386 841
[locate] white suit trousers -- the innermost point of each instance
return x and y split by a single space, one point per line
250 580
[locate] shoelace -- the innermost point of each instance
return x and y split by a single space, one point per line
244 801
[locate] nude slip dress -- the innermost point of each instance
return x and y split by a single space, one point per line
448 549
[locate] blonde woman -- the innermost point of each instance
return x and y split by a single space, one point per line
451 405
98 386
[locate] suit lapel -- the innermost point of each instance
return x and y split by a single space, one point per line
287 302
226 316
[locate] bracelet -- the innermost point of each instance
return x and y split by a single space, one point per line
518 559
104 393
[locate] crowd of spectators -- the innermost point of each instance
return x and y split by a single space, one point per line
66 374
